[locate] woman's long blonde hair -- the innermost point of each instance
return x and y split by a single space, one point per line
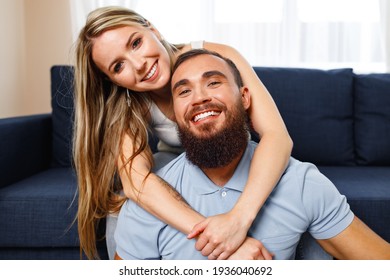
102 118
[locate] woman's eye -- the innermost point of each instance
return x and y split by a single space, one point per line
136 43
118 67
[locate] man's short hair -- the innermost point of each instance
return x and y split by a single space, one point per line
196 52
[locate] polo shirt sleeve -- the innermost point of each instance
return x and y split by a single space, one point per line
327 211
137 233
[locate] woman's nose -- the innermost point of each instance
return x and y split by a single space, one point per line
138 62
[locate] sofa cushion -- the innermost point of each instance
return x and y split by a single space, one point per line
372 126
62 115
317 108
38 211
367 189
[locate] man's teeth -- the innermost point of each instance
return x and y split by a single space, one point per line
151 73
205 115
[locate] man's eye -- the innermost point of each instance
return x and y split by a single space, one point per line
136 43
118 67
214 83
184 91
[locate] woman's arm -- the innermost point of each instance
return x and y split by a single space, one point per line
268 164
154 194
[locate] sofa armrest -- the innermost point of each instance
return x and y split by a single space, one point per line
25 147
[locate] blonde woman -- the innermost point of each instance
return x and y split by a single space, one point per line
122 87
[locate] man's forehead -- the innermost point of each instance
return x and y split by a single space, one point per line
199 65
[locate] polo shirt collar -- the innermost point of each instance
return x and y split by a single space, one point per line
205 186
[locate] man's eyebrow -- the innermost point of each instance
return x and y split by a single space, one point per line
180 83
209 74
127 46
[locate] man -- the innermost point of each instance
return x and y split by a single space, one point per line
210 103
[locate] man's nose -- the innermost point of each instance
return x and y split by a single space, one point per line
201 96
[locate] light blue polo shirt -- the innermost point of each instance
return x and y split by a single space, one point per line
303 200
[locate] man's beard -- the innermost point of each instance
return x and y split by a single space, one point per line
217 149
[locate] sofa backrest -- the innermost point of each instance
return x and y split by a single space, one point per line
317 107
62 114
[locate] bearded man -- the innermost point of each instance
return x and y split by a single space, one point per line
210 103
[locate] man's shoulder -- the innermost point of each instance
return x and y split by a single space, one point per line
300 169
300 177
295 168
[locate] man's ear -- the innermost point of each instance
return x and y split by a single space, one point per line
245 97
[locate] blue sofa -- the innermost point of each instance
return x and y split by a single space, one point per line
338 120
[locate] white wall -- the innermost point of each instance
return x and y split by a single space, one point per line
12 57
36 35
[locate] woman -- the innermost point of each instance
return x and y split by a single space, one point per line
122 85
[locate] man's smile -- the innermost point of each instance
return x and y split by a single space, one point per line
203 115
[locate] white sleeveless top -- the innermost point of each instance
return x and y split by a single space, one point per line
163 127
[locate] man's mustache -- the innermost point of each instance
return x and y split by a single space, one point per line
201 108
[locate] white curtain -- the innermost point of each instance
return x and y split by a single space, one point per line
385 24
80 9
290 33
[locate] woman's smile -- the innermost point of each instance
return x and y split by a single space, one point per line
152 74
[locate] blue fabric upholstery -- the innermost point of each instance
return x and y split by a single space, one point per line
24 142
41 218
368 192
372 125
36 253
63 109
317 107
42 215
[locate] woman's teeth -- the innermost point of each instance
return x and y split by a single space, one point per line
205 115
151 73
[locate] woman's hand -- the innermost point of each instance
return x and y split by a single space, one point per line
221 235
